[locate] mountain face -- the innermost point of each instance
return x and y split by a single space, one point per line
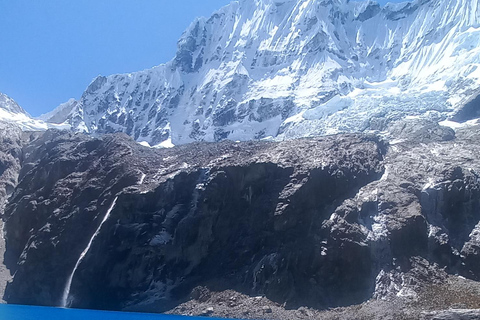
292 68
60 114
11 112
7 104
191 229
105 223
11 142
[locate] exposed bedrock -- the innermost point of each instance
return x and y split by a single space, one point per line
258 227
324 222
65 185
11 138
249 213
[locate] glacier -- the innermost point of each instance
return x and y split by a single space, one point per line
280 69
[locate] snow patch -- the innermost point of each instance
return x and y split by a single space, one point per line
456 125
165 144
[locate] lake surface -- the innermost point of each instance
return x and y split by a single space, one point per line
16 312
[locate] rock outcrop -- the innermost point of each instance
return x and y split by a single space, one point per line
322 222
249 212
11 141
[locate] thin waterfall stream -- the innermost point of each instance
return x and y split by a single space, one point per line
66 290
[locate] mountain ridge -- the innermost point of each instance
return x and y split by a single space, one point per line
12 113
268 69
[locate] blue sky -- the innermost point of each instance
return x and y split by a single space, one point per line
50 50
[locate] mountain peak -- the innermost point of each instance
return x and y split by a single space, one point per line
12 113
9 105
281 69
61 113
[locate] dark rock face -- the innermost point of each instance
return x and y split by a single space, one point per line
251 213
323 222
471 110
66 183
235 222
11 140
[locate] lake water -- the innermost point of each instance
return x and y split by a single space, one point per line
16 312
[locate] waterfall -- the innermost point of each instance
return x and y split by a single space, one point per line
66 290
142 178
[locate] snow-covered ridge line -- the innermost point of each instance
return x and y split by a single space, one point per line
11 112
285 69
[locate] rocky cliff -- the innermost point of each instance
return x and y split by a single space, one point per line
319 222
11 141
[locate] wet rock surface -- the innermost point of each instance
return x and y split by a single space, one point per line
346 222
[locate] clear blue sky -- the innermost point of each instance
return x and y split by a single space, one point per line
50 50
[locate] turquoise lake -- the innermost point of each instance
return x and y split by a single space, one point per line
16 312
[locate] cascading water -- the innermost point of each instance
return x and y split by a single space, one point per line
142 178
66 291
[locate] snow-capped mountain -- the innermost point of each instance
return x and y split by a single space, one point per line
61 113
11 112
9 105
291 68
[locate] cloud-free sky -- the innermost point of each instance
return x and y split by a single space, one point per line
50 50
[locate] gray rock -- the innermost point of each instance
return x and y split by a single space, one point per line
11 139
321 222
204 209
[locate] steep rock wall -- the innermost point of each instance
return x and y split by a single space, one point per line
324 222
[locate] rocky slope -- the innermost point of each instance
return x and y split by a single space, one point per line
293 68
320 222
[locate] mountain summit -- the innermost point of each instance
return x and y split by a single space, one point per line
290 68
11 112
